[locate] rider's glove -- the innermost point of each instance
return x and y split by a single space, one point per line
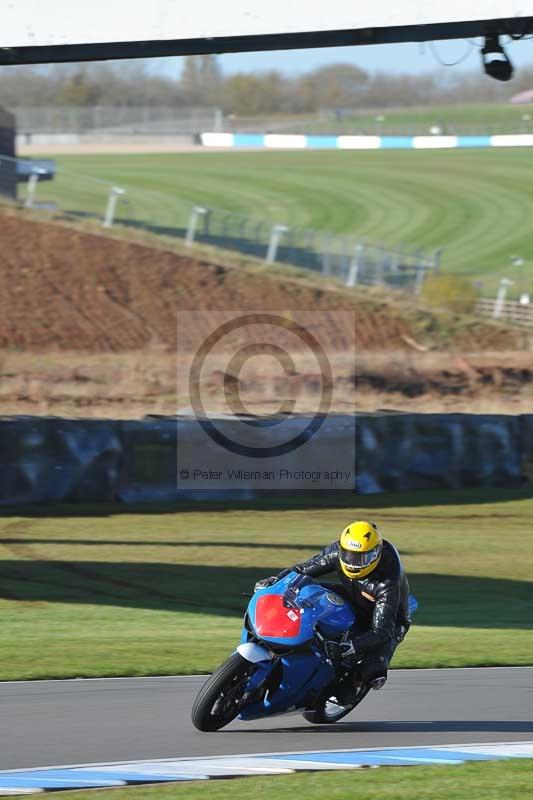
402 632
264 582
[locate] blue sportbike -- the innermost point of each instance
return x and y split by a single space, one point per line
287 660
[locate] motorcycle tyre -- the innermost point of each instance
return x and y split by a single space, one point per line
234 668
318 715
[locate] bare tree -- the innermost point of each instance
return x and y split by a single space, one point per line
335 86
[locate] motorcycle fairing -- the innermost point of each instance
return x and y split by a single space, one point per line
274 620
295 678
302 674
286 614
311 605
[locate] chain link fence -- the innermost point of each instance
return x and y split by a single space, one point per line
178 120
353 261
148 120
346 258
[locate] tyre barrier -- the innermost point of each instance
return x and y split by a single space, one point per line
49 459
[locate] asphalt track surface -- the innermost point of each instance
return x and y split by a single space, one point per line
47 723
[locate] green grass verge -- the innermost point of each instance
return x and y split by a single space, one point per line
86 591
490 780
474 203
470 119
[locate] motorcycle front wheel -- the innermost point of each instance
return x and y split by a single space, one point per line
217 703
326 711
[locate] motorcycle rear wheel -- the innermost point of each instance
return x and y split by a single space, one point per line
326 713
217 703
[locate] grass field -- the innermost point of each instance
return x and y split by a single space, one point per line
474 203
473 119
90 591
486 781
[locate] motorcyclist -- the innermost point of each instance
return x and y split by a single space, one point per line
374 582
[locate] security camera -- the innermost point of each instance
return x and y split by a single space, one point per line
495 60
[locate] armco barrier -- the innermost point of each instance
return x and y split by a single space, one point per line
51 459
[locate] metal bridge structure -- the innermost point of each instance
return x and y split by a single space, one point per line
35 32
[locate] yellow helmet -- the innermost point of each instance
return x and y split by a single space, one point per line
361 545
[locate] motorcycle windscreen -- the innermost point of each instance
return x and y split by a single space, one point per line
274 620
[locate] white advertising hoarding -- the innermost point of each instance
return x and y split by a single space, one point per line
178 26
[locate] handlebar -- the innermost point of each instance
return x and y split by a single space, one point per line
290 596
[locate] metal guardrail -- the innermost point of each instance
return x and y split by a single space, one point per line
346 258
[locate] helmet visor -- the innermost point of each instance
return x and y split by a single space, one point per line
355 559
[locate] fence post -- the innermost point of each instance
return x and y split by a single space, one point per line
32 187
421 269
114 193
380 271
419 279
351 280
197 211
500 299
437 255
275 235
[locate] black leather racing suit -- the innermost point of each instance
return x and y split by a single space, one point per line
381 602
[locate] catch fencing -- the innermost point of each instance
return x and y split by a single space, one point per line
167 119
129 120
345 258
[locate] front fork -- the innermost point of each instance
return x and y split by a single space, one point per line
265 663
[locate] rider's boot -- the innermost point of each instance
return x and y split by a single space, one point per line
346 690
378 683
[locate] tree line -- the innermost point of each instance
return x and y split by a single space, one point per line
201 82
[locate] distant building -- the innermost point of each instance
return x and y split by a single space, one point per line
8 177
522 97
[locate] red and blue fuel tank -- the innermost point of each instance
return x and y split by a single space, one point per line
287 612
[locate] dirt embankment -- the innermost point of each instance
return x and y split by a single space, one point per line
65 289
62 288
88 327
